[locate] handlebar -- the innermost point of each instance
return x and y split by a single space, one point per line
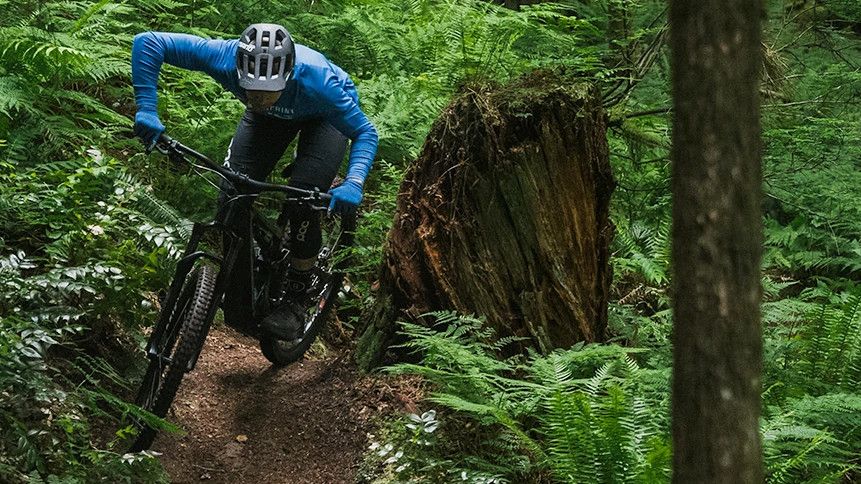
177 151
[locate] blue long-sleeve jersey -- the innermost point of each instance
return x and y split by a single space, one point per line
317 89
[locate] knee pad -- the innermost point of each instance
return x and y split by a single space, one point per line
305 233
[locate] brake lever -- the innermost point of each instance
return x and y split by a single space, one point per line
311 202
156 146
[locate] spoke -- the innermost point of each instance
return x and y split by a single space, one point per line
169 339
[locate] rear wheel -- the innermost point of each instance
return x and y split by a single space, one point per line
179 345
326 284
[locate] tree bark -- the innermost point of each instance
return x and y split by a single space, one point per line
717 241
512 4
504 215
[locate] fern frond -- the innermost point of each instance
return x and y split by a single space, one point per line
14 96
45 53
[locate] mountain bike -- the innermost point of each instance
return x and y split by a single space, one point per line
202 277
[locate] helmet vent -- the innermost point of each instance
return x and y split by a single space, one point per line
265 57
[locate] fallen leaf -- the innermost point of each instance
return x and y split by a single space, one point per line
241 438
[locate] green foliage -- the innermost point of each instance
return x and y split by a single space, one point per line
593 414
815 345
86 239
643 251
87 227
45 430
43 59
587 414
811 404
64 70
604 432
831 349
813 439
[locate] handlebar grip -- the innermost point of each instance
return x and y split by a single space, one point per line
167 146
163 142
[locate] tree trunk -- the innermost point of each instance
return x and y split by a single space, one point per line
717 241
515 4
504 215
619 33
512 4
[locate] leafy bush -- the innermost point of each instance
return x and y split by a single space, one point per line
46 430
98 242
587 414
593 414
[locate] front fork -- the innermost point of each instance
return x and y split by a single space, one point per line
183 268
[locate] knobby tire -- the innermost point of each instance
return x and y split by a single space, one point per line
190 342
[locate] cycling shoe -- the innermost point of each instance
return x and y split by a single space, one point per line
286 322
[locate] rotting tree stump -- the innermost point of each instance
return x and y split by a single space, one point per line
505 215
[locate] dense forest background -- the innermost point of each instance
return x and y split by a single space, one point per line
90 227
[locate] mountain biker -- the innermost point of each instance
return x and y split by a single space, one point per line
288 89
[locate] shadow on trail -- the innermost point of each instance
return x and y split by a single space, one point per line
249 422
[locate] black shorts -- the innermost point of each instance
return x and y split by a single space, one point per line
260 141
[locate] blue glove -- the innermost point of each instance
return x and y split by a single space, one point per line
345 197
148 127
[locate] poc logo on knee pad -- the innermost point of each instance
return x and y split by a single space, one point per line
303 230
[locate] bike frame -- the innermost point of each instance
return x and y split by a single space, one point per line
191 255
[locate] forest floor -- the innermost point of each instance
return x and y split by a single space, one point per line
246 421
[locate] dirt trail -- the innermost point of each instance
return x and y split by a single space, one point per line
248 422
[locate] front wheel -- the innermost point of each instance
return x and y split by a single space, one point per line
174 351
